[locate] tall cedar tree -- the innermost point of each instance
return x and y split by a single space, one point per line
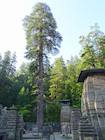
42 38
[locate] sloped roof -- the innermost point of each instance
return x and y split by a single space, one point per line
85 73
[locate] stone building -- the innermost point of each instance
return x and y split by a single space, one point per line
93 99
89 122
11 124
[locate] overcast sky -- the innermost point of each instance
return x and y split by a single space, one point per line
73 17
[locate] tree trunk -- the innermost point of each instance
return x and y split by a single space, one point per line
40 104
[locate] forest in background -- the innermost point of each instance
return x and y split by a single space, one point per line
19 87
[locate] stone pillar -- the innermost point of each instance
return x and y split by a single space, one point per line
93 98
12 127
75 118
11 124
3 123
65 118
20 127
15 124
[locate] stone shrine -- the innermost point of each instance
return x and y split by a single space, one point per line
65 117
11 124
89 122
93 99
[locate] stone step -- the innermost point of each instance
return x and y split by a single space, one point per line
30 136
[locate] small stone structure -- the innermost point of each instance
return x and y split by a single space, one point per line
11 124
75 119
65 118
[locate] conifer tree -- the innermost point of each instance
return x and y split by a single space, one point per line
42 38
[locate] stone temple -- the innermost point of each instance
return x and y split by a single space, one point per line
89 122
11 124
93 99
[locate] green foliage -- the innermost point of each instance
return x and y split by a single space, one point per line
26 100
52 112
7 67
8 91
40 29
73 88
101 51
57 80
27 113
89 57
91 53
63 81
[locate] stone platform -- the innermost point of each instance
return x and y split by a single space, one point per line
55 136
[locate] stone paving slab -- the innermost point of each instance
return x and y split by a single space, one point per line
30 136
58 136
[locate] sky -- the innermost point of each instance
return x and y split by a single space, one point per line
73 17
